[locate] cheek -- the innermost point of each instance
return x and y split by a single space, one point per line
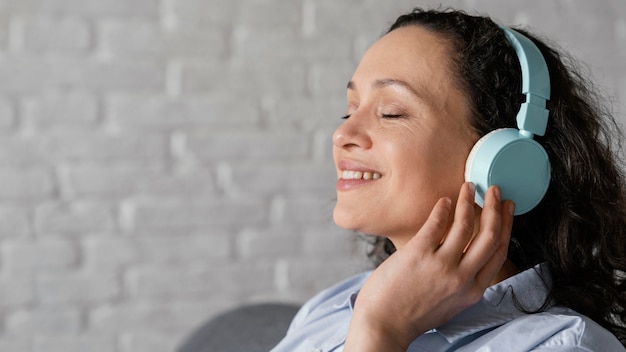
432 168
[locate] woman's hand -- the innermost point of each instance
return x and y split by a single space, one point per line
441 271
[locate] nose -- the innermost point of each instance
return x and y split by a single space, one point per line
352 133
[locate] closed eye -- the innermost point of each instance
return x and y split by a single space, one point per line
345 117
392 116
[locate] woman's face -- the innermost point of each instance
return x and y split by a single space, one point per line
406 139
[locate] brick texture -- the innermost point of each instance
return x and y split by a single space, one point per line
162 161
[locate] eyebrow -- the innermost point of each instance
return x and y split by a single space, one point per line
387 82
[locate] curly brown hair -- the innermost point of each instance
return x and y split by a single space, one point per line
579 228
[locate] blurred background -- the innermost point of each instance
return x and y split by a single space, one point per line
162 161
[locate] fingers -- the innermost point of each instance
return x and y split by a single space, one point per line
479 252
488 249
485 276
463 226
435 227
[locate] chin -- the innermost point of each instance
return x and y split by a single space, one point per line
345 220
356 223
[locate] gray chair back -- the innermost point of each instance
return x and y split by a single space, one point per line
252 328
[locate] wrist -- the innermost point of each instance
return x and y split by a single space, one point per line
367 334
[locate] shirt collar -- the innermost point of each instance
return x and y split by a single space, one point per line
527 290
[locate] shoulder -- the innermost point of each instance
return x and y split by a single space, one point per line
558 329
564 329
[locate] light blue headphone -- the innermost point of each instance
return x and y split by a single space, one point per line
509 157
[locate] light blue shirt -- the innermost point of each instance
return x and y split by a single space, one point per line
494 324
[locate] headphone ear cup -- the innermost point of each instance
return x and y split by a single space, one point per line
517 164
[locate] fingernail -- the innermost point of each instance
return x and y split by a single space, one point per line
471 187
510 207
498 193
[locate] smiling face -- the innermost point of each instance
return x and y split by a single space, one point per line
406 138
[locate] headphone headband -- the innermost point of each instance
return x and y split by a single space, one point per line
533 115
510 158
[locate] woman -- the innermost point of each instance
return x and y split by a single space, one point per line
459 277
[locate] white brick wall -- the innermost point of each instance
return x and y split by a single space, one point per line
164 160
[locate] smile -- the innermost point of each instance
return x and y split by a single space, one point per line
357 175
